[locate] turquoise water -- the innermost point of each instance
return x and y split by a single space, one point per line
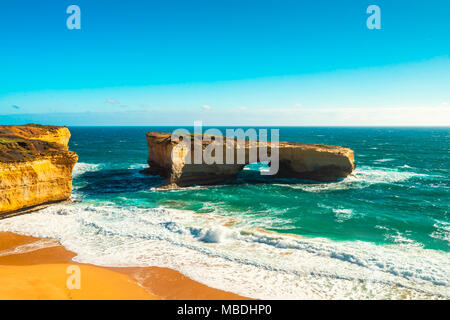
382 233
400 191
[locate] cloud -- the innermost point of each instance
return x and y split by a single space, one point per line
298 105
374 116
15 107
206 107
112 101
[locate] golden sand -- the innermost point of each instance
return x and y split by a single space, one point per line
33 268
48 281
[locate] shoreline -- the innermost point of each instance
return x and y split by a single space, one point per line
36 268
35 208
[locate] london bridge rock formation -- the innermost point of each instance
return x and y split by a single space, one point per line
296 160
35 166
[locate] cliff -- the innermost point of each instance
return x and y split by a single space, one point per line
175 160
35 166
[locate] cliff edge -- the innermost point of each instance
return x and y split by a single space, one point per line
35 166
175 161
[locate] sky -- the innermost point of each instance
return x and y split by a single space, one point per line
233 62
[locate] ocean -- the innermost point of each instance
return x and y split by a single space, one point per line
381 233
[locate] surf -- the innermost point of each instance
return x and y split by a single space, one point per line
194 245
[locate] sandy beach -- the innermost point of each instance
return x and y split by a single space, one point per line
33 268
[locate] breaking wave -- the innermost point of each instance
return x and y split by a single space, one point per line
362 177
250 262
80 168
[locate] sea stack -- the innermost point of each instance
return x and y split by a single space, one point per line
35 166
324 163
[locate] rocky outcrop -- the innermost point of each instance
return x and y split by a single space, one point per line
175 160
35 166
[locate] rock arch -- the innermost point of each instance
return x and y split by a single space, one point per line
296 160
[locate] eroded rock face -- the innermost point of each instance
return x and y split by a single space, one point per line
297 160
35 166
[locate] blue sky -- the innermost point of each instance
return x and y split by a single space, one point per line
227 62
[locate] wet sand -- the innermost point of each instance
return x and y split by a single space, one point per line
33 268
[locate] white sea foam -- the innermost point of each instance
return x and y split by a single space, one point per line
395 236
362 177
442 231
343 214
138 166
81 168
249 262
29 247
215 235
384 160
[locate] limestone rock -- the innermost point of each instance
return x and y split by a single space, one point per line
297 160
35 166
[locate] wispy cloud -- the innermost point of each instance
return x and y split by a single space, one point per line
374 116
112 101
206 107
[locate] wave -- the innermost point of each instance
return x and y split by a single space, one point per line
138 166
81 168
362 177
384 160
250 262
343 214
30 247
442 231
